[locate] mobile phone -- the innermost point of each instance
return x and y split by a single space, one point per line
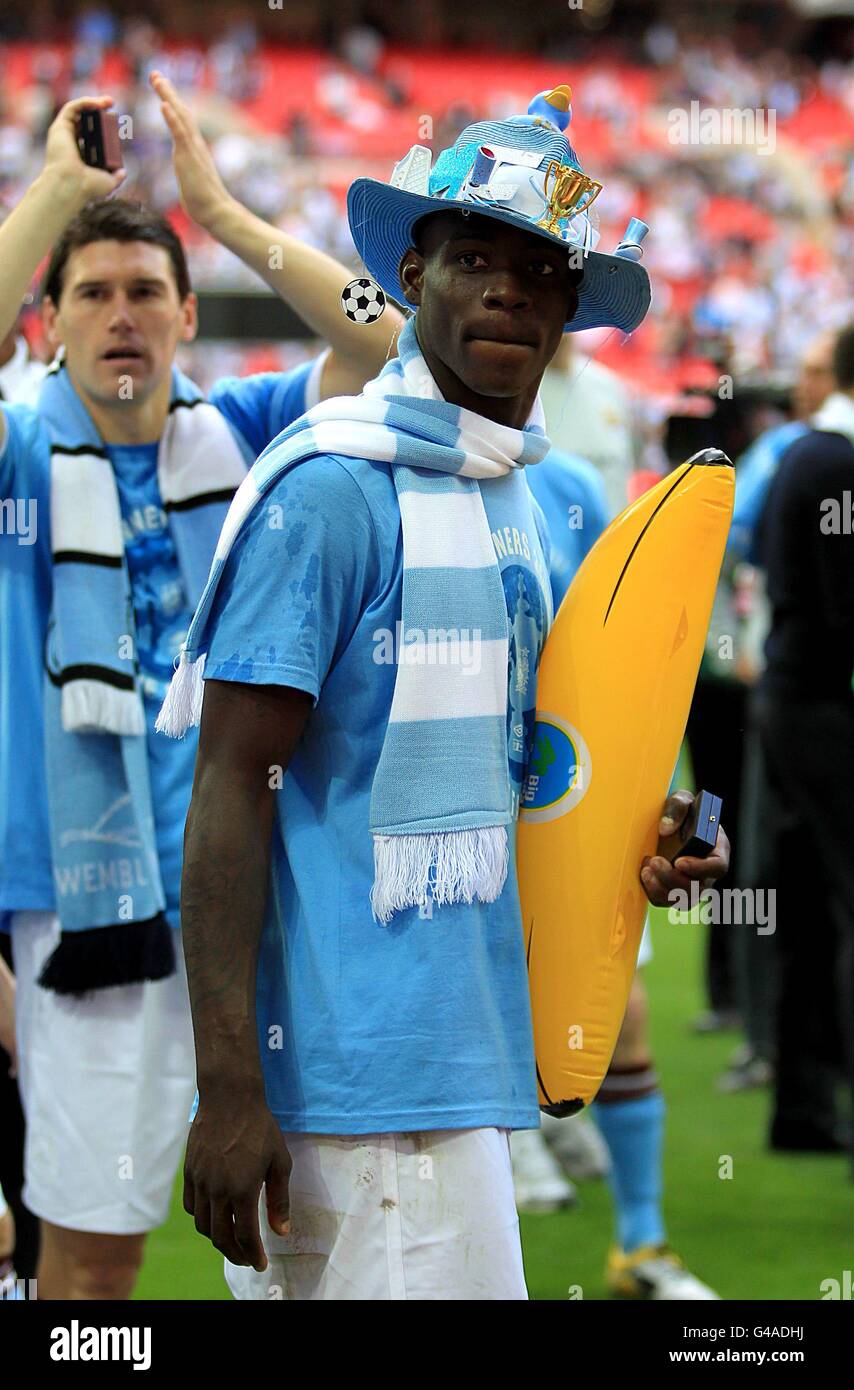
698 833
98 139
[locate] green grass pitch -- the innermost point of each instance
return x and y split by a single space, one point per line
778 1227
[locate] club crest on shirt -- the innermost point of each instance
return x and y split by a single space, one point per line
559 770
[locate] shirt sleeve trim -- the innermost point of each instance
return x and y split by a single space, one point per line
267 675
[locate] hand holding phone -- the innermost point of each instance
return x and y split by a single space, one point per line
76 180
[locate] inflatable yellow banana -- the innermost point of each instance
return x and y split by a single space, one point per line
615 686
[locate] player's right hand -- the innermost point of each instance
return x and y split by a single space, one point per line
234 1148
63 160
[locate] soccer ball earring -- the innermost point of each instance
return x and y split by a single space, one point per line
362 301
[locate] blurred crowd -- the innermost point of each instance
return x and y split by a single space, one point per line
749 249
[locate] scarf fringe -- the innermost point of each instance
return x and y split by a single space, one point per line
454 866
182 708
93 707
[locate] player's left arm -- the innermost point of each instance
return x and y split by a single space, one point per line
659 877
305 278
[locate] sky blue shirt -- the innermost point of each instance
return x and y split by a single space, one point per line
259 407
26 881
573 498
424 1023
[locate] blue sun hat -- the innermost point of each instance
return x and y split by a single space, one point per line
522 171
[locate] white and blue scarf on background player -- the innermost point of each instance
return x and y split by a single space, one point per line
441 799
95 732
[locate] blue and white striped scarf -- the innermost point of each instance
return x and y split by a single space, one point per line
441 798
97 761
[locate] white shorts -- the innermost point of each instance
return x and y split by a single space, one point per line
430 1215
106 1081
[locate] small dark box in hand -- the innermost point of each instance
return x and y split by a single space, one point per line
98 139
698 833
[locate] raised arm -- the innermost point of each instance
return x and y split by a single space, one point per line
235 1144
63 187
307 279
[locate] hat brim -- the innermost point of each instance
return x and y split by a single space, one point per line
614 293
